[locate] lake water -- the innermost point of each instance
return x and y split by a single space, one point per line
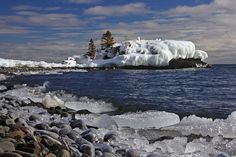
203 92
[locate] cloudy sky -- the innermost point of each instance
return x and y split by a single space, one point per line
51 30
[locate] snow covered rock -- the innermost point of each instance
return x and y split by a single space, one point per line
154 53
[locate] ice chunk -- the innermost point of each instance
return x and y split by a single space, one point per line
146 119
98 121
52 101
204 126
94 106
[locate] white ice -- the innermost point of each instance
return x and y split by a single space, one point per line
146 53
94 106
206 126
146 119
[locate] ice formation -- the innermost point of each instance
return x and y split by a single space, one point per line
128 53
145 53
21 63
94 106
146 119
206 126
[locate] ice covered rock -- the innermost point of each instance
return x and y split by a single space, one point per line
94 106
52 101
145 53
146 119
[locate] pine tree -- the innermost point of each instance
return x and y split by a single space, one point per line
107 40
91 50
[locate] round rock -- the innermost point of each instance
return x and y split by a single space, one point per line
10 154
132 153
87 149
7 146
78 124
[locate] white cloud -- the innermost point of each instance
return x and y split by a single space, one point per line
83 1
34 8
132 8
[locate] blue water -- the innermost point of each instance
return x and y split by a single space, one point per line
203 92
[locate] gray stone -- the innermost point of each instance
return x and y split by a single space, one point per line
106 154
132 153
42 126
73 135
90 137
87 149
107 149
98 153
78 124
110 136
64 131
45 132
7 146
2 88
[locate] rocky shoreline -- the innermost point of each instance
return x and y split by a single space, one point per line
173 64
38 123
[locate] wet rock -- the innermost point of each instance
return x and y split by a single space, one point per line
106 154
107 149
110 136
132 153
7 146
73 135
1 150
87 149
98 153
64 153
121 152
78 124
81 141
90 137
42 126
10 154
45 132
50 142
64 132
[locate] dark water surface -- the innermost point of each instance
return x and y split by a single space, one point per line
203 92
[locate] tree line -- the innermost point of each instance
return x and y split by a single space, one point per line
107 41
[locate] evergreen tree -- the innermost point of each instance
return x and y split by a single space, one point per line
107 40
91 50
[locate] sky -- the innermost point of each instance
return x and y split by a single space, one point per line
52 30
